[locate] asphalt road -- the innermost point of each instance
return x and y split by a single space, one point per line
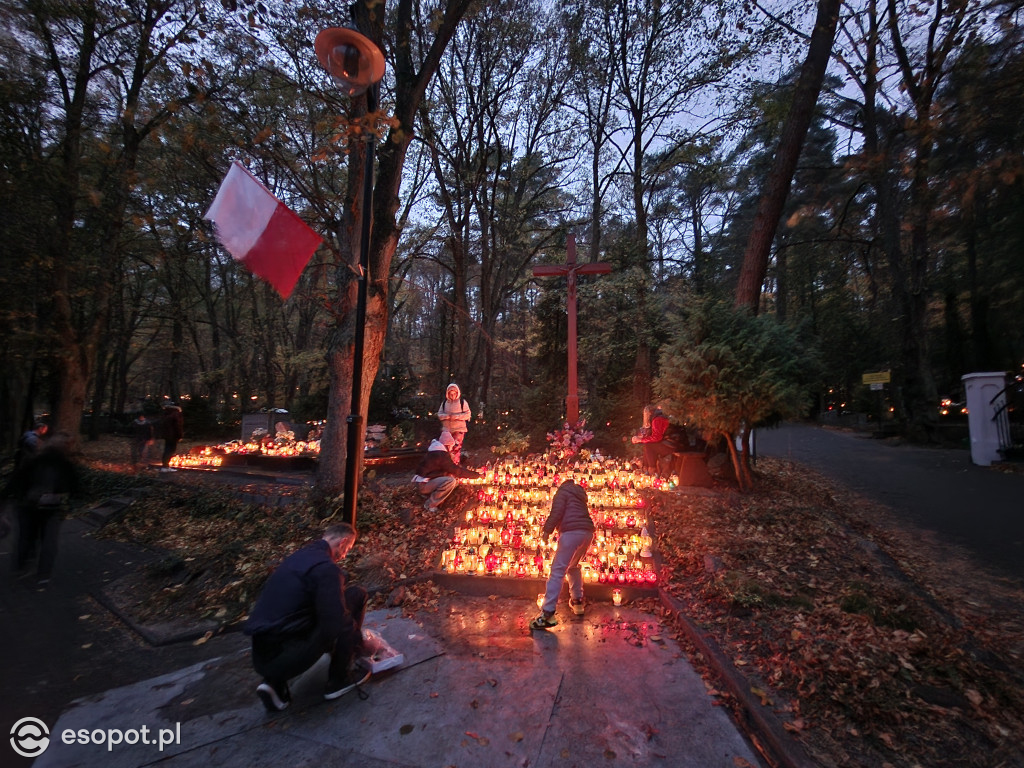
979 509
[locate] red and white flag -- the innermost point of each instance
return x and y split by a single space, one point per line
260 231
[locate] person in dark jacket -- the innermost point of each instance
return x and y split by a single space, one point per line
307 609
436 476
570 516
31 443
42 488
172 427
142 438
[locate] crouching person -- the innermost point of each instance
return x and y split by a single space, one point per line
307 609
436 476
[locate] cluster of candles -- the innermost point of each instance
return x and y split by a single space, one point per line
197 460
213 456
501 534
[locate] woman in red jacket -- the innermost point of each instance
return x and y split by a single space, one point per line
654 443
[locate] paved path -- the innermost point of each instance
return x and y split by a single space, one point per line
980 509
59 643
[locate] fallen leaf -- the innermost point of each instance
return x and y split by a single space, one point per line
762 695
517 736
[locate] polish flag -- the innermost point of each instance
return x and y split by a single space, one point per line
260 231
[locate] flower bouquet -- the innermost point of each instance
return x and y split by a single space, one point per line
568 441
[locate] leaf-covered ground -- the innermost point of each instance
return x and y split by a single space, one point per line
876 646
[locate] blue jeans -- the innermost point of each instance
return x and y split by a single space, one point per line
572 545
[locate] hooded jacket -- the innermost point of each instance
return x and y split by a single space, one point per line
659 424
454 414
569 511
438 462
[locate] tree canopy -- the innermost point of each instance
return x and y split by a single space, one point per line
646 130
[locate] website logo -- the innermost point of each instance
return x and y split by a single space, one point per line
30 737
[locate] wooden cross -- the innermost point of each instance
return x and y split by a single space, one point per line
571 269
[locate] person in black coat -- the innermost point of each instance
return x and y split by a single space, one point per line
31 443
307 609
42 488
172 428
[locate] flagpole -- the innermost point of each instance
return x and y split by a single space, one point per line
354 451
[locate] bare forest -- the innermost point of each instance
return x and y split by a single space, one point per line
849 176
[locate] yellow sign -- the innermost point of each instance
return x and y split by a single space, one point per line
878 377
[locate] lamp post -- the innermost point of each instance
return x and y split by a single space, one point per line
356 65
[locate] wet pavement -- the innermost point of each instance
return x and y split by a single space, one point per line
476 689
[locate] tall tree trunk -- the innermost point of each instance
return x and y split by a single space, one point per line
99 389
794 132
945 32
410 86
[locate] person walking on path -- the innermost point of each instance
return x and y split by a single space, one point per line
172 426
570 516
307 609
31 443
42 488
142 438
437 475
455 415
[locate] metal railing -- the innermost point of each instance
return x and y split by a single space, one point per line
1008 415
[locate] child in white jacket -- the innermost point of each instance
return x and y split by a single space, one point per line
454 414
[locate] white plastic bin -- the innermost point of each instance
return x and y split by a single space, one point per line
980 389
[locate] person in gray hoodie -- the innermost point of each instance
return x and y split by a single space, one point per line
570 516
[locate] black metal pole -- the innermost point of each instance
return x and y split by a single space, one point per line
354 449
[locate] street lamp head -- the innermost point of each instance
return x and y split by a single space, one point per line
351 58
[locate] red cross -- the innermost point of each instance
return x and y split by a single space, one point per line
571 269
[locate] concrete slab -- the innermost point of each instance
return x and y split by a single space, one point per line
477 689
